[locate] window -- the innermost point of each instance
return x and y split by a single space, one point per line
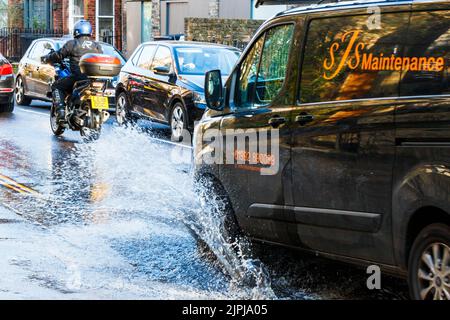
273 65
135 58
39 50
163 58
345 60
262 73
77 11
146 57
36 14
105 21
429 42
199 60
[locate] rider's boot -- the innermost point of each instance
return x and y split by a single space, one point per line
58 102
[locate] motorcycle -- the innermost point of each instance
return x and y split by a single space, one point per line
86 108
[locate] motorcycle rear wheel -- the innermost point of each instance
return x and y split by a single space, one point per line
57 128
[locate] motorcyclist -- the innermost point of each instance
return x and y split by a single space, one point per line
73 50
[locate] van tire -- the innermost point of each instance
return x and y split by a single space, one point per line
433 283
211 193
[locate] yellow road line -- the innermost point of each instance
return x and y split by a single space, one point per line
10 183
11 187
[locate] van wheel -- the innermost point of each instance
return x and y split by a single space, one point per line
178 122
214 197
19 93
429 264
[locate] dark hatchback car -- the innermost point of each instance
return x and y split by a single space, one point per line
33 77
163 81
6 85
358 165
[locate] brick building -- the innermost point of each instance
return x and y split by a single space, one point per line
105 16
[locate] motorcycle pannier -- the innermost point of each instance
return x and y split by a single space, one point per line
100 65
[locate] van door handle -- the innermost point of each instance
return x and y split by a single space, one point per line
277 121
303 119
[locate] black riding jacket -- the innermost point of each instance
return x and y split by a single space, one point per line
74 50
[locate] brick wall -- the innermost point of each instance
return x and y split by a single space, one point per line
235 32
118 24
15 13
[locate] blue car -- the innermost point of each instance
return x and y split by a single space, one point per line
163 81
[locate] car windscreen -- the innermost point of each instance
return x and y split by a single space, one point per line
199 60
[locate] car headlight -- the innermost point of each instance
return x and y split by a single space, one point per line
199 98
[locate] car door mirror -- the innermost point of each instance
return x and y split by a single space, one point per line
162 71
214 90
48 46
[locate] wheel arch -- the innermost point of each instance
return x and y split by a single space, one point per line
419 220
420 197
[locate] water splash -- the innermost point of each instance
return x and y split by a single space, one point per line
138 174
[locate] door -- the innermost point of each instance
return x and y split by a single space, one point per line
176 12
423 120
161 85
343 146
139 76
33 65
257 131
44 72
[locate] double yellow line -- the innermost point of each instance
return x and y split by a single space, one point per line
15 186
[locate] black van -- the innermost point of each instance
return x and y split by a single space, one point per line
357 97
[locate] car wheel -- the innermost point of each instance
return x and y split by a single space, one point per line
178 122
429 264
122 110
19 93
57 128
7 107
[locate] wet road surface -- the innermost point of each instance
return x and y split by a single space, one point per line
110 220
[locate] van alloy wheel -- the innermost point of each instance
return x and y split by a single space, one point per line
429 264
434 272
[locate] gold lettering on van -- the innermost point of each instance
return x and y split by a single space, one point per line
355 57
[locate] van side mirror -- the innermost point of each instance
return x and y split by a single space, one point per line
214 90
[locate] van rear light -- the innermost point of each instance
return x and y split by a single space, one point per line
6 69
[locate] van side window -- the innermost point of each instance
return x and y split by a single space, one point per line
346 60
429 42
263 72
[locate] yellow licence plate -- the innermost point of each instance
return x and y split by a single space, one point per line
99 102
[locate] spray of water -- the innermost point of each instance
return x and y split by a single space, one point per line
128 171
